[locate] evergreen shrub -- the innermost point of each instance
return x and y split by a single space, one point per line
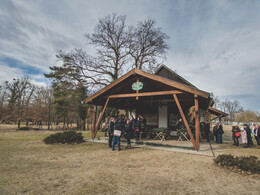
67 137
25 128
243 163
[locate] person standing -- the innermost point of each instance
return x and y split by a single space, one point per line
137 128
258 134
132 120
128 130
207 130
143 124
111 125
255 132
179 124
244 136
235 131
220 132
116 138
249 137
215 132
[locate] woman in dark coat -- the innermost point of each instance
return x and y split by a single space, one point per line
137 128
249 138
220 132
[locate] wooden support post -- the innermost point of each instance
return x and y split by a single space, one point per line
184 120
137 91
197 121
99 119
94 118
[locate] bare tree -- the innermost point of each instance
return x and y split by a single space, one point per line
230 107
216 102
247 116
147 45
116 44
2 101
42 106
19 93
110 39
83 68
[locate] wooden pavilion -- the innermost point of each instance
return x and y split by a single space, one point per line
162 98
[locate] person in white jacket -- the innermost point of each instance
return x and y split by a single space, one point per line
244 136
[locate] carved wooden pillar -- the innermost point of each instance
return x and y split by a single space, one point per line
197 122
94 118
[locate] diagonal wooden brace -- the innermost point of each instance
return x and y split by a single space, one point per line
184 120
99 119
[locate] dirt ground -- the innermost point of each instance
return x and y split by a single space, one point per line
28 166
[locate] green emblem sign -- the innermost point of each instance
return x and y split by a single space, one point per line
137 86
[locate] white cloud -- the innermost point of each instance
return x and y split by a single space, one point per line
7 73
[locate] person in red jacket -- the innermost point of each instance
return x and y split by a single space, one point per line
236 134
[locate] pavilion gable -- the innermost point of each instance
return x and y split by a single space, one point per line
166 72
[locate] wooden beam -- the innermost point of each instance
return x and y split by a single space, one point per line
137 91
173 83
197 121
89 99
94 118
145 94
99 119
217 117
162 101
184 120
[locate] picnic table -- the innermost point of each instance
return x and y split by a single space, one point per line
183 134
160 133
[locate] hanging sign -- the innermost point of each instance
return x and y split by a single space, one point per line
137 86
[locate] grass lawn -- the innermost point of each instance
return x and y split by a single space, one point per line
28 166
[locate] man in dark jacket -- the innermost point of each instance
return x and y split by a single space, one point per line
249 138
111 126
207 130
258 135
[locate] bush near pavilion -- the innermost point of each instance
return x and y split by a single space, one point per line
67 137
249 164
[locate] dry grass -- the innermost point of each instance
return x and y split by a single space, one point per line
29 166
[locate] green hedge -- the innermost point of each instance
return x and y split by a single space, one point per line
243 163
25 128
67 137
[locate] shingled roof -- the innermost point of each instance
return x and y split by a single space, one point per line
166 72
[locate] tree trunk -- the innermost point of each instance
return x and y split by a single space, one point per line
84 124
19 124
87 120
49 118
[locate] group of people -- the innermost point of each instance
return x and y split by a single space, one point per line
218 132
127 127
246 134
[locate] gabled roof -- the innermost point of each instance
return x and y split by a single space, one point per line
217 112
112 88
166 72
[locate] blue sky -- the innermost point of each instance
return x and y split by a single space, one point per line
214 44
